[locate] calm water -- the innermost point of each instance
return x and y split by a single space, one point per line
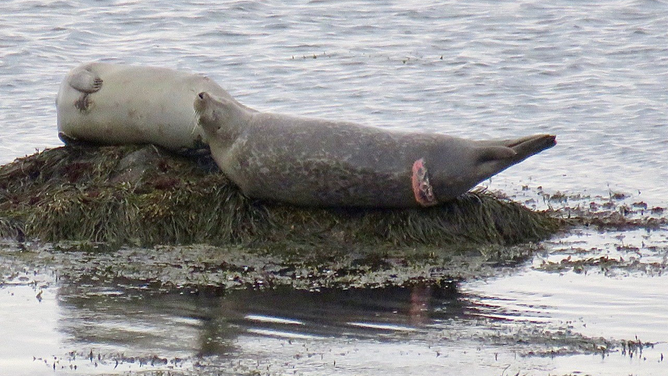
595 74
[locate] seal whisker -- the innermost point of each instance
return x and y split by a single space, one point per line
195 121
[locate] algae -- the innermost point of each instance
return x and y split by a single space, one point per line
144 195
199 267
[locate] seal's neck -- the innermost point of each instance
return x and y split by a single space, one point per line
221 119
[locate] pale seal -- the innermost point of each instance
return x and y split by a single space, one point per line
323 163
121 104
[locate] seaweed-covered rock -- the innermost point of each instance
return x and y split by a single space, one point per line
145 195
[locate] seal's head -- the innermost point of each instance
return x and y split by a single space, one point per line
220 117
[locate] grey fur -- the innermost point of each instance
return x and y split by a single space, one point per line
314 162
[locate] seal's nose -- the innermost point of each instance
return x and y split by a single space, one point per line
200 102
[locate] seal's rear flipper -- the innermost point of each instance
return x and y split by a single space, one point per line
522 148
528 146
492 153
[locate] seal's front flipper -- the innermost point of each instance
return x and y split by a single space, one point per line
72 141
67 140
194 152
85 81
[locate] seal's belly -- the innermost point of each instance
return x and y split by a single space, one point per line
321 179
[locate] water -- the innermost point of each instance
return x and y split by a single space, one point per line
594 74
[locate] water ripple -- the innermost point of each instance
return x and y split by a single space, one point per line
589 72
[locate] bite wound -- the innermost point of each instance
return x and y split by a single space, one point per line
422 189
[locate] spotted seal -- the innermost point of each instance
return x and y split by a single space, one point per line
312 162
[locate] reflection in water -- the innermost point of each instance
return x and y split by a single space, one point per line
423 327
115 325
137 318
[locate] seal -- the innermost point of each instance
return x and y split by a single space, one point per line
119 104
312 162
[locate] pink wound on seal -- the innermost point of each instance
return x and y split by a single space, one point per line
422 189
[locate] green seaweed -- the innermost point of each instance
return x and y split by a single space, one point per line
143 195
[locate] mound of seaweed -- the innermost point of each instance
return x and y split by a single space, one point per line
144 195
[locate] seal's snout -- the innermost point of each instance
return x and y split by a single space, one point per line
200 102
